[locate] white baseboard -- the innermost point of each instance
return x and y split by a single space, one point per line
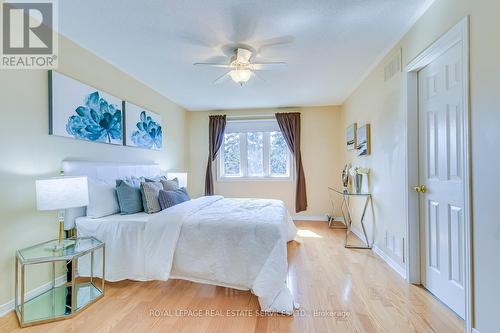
9 306
393 264
378 251
474 330
312 218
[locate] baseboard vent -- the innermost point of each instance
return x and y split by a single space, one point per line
378 251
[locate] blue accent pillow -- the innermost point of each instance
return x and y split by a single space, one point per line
171 198
129 196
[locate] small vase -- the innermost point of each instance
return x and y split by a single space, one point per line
358 182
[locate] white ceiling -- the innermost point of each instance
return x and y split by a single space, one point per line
329 45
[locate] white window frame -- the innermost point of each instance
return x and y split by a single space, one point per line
242 127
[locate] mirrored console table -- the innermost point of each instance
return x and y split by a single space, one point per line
59 300
345 208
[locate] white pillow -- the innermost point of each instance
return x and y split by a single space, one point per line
102 200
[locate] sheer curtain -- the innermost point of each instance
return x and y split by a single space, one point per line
289 124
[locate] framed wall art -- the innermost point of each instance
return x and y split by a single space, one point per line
143 128
79 111
363 137
351 136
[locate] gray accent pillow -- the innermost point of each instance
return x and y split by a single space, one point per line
171 198
170 185
129 196
154 179
150 191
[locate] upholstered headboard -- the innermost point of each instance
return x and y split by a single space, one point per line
103 171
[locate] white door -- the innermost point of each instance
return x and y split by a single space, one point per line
441 171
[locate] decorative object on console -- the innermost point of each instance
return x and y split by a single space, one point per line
60 193
79 111
345 175
142 128
364 142
357 181
365 173
351 136
359 178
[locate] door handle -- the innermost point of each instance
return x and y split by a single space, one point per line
420 189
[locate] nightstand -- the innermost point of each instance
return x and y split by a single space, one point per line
58 299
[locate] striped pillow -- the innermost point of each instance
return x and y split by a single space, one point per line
150 191
171 198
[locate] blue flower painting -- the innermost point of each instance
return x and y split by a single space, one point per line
148 134
96 120
143 128
82 112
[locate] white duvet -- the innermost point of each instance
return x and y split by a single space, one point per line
237 243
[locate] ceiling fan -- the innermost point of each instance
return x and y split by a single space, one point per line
241 68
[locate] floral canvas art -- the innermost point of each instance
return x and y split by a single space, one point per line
143 128
82 112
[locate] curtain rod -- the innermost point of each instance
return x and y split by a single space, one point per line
256 116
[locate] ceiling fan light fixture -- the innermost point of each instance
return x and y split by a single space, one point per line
240 76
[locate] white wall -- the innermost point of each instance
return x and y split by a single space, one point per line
28 153
380 103
322 138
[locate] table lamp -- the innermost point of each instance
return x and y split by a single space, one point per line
60 193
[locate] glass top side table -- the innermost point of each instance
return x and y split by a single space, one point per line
60 301
347 215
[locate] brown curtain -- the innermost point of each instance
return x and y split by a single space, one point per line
217 125
289 124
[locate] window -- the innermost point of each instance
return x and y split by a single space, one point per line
254 149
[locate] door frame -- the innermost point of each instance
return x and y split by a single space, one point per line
459 33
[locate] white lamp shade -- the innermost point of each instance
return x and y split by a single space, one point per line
61 193
181 176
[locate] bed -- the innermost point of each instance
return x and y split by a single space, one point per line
236 243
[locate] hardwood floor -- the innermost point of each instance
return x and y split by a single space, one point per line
339 290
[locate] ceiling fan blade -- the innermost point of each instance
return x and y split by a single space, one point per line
258 76
268 66
272 42
222 78
212 65
243 56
